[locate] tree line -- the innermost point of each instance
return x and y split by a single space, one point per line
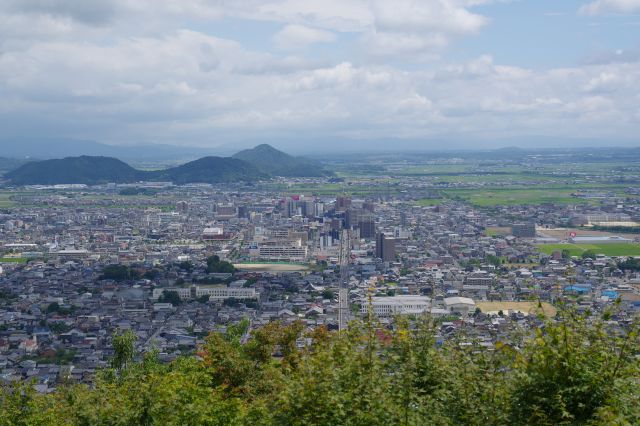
571 370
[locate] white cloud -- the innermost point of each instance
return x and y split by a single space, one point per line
600 7
411 26
418 17
294 37
128 79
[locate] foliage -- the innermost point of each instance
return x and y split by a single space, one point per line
124 350
571 371
215 265
137 191
328 294
119 273
631 264
186 266
589 254
624 229
58 327
203 299
151 274
60 357
170 296
233 302
56 308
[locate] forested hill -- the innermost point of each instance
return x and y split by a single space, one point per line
93 170
571 372
84 169
269 160
209 170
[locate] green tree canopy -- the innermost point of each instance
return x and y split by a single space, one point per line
574 371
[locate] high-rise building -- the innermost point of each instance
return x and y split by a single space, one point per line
343 203
353 216
385 247
367 226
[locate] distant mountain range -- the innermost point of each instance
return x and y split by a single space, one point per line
251 165
44 149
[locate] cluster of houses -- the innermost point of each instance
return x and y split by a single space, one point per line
75 273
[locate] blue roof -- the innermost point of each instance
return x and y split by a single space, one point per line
579 289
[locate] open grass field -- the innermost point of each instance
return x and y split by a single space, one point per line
497 230
5 201
499 196
13 260
428 202
564 233
529 308
613 249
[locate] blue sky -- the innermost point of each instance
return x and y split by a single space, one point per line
220 72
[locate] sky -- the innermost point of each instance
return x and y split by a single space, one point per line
230 72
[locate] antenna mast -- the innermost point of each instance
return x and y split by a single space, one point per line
343 292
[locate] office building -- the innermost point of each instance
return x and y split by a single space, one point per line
385 247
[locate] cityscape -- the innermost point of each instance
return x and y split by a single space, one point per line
173 263
319 212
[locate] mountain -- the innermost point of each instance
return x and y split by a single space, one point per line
84 169
9 164
210 170
96 170
269 160
249 165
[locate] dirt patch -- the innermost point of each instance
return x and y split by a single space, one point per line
529 308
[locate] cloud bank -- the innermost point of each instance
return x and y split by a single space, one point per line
144 71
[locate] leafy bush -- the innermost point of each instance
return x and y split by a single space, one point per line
569 372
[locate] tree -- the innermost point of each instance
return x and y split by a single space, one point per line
572 371
575 370
589 254
215 265
186 266
328 294
170 296
119 273
631 264
124 350
53 307
494 260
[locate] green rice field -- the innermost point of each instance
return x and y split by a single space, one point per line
612 249
496 197
13 260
